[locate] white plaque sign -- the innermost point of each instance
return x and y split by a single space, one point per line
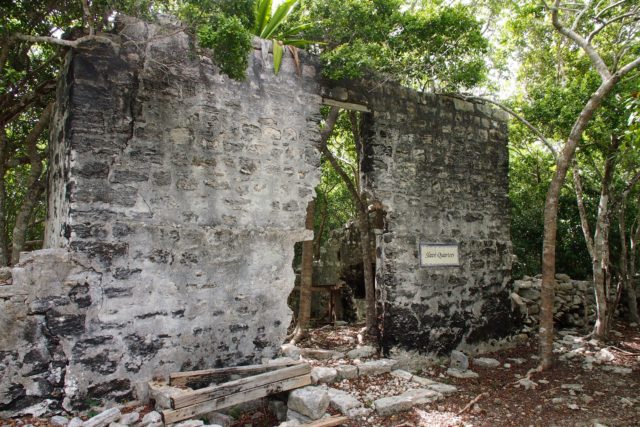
439 255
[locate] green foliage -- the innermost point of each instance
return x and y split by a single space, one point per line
436 46
230 42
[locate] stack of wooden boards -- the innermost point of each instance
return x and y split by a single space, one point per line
180 402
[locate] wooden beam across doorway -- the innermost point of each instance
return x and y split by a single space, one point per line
346 105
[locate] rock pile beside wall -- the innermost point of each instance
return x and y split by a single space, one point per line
573 306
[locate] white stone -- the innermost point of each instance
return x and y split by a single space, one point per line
401 373
190 423
604 355
361 352
422 381
297 417
309 401
442 388
290 350
574 387
342 401
291 423
347 371
75 422
459 361
376 367
151 418
618 370
130 418
104 418
323 375
59 420
527 384
461 374
486 362
407 400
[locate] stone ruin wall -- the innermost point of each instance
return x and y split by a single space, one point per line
176 196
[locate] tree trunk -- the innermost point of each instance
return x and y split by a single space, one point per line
369 281
600 259
306 279
4 249
584 220
35 186
363 227
565 157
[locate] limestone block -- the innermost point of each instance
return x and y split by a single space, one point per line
347 371
342 401
361 352
323 375
310 401
405 401
104 418
376 367
459 361
485 362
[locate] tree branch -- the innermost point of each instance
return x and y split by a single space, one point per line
88 17
606 9
604 25
595 58
73 44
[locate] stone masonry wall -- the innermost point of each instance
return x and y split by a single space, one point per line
176 197
439 165
183 193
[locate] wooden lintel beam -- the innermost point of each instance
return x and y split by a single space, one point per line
346 105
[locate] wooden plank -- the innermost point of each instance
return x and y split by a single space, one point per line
201 395
175 415
182 378
345 105
327 422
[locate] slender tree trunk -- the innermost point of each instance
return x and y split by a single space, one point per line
363 228
600 259
565 157
4 249
306 281
584 220
317 240
633 247
35 185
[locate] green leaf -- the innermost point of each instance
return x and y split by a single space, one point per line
263 15
278 18
277 55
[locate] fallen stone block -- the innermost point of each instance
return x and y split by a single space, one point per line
459 361
486 362
376 367
318 354
347 371
323 375
151 418
400 373
311 402
422 381
361 352
461 374
104 418
290 350
445 389
342 401
405 401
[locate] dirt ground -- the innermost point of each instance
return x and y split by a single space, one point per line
592 393
591 384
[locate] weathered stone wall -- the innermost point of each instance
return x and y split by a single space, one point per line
183 192
176 198
439 166
574 304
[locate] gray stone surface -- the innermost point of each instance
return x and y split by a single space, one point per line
59 420
405 401
444 389
290 350
311 402
297 417
342 401
176 196
130 418
361 352
376 367
279 409
151 418
322 374
347 371
456 373
458 360
104 418
75 422
485 362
